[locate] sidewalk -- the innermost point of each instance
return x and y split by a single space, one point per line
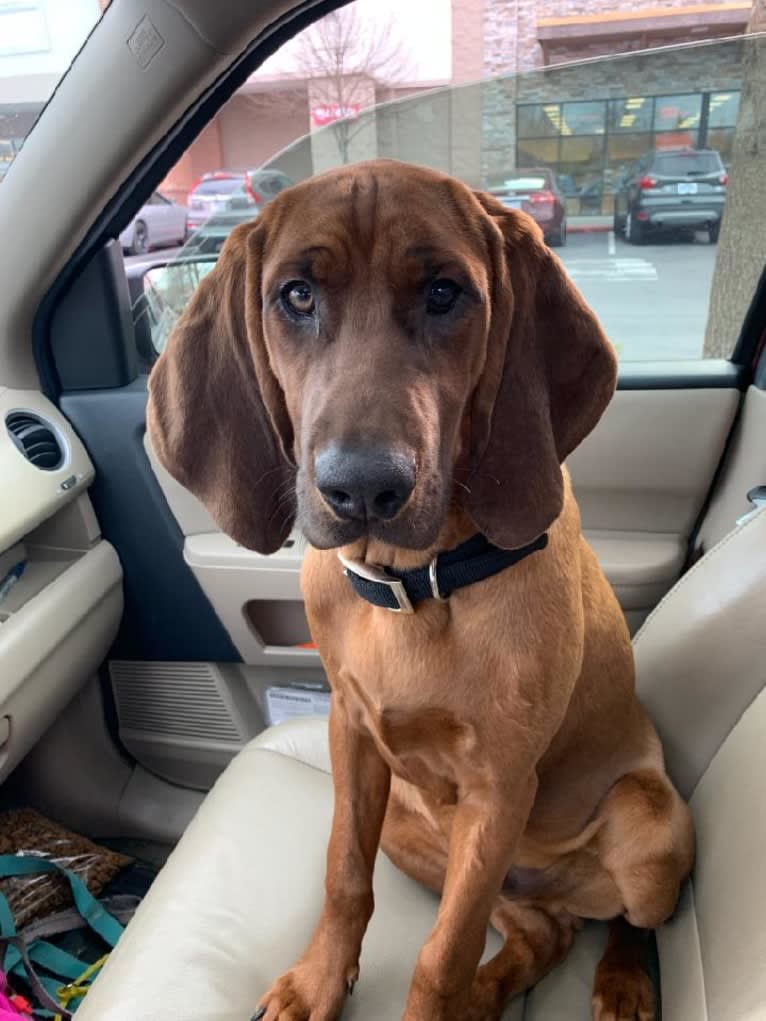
589 224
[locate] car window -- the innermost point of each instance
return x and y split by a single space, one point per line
686 163
39 39
220 186
669 269
525 183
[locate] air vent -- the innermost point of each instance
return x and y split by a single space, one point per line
35 439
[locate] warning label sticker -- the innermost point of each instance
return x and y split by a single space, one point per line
290 703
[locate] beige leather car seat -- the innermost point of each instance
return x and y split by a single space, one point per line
240 894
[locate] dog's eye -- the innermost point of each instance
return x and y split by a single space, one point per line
442 295
299 297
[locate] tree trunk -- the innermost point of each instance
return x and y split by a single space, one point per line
340 130
742 242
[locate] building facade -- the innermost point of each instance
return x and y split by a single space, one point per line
583 87
590 120
38 40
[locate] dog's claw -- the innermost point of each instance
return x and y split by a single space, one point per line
258 1014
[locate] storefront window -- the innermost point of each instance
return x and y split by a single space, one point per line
724 107
677 113
722 140
624 150
583 119
582 159
538 152
676 139
539 120
592 145
632 114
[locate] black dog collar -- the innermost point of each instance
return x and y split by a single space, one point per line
471 561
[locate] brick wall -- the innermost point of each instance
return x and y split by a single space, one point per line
467 41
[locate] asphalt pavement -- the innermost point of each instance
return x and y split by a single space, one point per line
652 299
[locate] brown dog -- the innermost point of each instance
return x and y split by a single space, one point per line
402 363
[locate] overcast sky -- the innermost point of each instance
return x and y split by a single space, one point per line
425 26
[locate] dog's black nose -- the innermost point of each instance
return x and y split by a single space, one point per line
364 484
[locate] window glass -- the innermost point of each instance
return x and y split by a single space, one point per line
219 186
631 114
539 120
685 164
583 119
526 183
536 152
396 79
724 107
722 140
38 41
623 150
582 159
677 113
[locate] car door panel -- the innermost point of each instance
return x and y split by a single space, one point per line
743 469
167 617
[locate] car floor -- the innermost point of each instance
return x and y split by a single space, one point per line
151 852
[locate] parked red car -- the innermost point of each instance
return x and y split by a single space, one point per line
538 193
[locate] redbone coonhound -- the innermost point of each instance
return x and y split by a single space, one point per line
399 364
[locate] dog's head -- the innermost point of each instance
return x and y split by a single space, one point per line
380 342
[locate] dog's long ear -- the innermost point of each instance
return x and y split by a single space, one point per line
216 414
549 375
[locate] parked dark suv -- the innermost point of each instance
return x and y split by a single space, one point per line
671 188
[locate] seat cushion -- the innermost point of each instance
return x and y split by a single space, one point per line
239 896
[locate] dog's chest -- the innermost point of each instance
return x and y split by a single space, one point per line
423 735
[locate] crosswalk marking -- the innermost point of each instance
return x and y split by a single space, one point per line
614 269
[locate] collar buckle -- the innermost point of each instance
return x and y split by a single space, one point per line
372 573
433 581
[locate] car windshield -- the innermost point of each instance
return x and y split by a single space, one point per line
221 186
38 42
680 164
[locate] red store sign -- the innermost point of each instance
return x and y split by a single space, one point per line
331 112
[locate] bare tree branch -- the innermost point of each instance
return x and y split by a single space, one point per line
342 54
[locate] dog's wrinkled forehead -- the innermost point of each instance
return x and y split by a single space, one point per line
379 217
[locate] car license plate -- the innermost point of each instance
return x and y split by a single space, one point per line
687 188
512 203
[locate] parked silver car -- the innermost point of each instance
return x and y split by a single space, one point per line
159 222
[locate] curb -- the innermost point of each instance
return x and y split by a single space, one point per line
588 228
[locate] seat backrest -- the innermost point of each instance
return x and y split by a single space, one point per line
701 655
701 661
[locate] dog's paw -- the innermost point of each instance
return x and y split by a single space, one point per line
623 993
308 990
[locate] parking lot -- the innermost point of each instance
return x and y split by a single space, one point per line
652 300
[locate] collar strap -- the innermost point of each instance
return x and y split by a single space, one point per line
471 561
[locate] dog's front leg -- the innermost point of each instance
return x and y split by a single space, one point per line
317 985
485 831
